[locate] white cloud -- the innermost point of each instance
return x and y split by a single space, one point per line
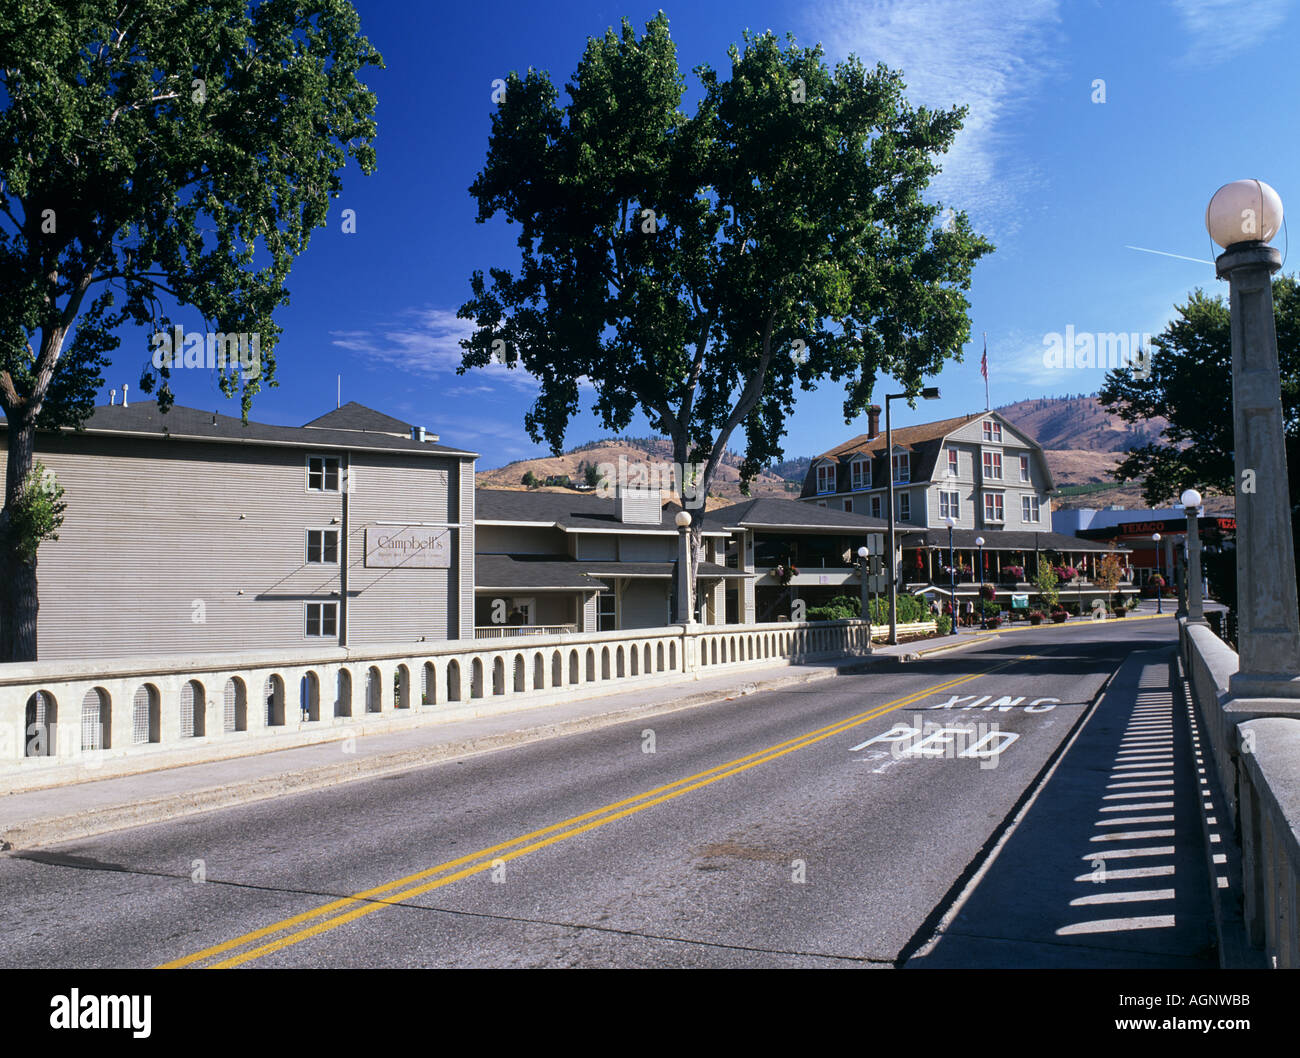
1223 29
988 55
427 342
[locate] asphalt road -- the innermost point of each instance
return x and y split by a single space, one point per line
795 828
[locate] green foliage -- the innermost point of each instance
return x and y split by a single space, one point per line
1046 581
591 475
160 149
674 260
530 479
38 513
943 624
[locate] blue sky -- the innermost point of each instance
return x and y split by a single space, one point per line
1197 93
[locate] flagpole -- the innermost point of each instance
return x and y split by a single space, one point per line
986 370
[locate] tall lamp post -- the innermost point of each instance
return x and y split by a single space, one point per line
685 611
1243 217
950 521
979 542
864 565
1191 501
929 393
1159 596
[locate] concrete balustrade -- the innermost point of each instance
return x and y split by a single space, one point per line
73 721
1258 760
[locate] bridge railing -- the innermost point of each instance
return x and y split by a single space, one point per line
67 721
1258 761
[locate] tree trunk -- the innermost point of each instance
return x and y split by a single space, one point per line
18 598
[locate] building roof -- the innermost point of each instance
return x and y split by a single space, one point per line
354 416
143 419
904 436
554 573
571 512
1001 540
765 513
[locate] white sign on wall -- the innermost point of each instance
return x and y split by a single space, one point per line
412 547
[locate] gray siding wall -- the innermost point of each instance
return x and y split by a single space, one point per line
179 546
518 540
647 548
644 604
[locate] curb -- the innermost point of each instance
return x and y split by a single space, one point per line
176 805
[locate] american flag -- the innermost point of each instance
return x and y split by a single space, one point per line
984 361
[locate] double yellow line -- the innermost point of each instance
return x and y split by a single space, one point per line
339 912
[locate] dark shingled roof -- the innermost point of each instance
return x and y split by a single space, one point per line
182 423
1001 540
498 572
566 509
354 416
755 514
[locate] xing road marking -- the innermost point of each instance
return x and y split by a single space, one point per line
347 909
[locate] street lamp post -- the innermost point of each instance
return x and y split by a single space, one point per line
929 393
864 565
979 543
1159 595
1243 217
1191 500
685 612
952 573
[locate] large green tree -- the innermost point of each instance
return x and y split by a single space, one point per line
702 268
153 154
1190 384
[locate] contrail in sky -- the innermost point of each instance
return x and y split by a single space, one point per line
1162 253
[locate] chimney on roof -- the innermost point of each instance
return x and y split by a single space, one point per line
873 420
124 394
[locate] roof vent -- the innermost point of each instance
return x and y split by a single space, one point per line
112 398
640 506
124 387
417 434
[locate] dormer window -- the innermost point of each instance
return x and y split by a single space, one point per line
902 468
860 474
825 478
992 431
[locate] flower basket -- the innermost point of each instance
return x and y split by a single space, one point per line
1035 617
1013 573
987 591
1059 616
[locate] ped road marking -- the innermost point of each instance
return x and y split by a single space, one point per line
350 908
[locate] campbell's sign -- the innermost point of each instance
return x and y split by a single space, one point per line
412 547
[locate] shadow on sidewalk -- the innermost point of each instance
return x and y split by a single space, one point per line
1106 866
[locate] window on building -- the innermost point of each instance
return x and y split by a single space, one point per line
826 478
848 506
993 466
1029 508
606 612
902 468
322 619
323 545
860 474
1024 468
904 507
993 507
952 462
950 505
992 430
875 506
322 474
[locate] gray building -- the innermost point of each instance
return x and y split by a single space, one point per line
191 531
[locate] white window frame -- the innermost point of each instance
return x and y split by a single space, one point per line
876 507
906 464
860 475
903 502
993 431
954 464
322 561
949 504
324 461
991 461
991 500
1030 509
1024 467
323 608
613 614
829 470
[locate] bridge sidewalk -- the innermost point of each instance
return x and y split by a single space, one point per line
65 812
1105 864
